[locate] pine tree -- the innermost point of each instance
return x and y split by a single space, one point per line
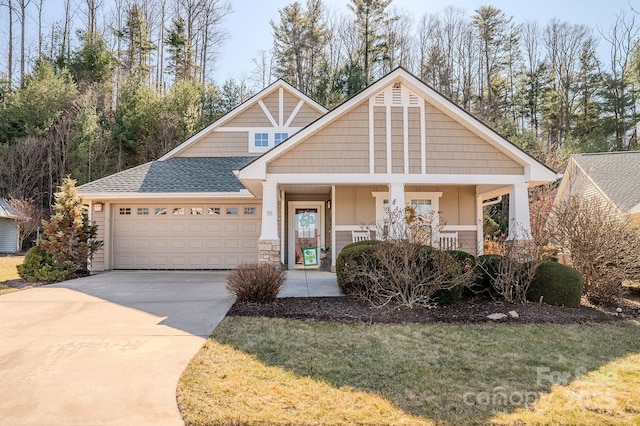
371 18
69 237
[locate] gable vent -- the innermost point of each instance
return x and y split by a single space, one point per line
396 96
413 99
379 99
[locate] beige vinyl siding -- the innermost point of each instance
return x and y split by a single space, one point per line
355 205
380 139
97 264
251 117
467 242
305 116
272 102
458 205
397 140
289 104
452 149
219 144
341 147
415 147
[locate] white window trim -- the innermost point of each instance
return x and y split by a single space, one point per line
271 132
434 197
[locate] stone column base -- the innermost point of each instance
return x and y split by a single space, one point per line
269 251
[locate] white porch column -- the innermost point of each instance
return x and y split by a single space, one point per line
519 219
269 243
397 225
396 196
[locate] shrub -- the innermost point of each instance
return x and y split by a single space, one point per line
256 282
69 237
39 266
466 260
487 268
349 260
556 284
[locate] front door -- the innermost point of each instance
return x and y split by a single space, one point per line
306 231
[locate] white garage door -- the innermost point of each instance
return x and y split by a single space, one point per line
193 236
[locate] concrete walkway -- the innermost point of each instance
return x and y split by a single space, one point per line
310 283
104 350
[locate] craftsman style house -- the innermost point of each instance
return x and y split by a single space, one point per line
280 173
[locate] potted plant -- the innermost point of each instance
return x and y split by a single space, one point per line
324 252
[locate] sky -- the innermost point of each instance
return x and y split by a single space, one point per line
250 31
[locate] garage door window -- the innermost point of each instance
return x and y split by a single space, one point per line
125 211
232 210
178 211
142 211
160 211
214 211
250 211
196 211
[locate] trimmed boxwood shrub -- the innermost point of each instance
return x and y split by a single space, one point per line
351 255
38 266
557 284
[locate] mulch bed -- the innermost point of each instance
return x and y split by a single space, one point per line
471 311
21 284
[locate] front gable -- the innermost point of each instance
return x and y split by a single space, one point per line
254 127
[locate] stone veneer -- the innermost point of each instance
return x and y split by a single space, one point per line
269 251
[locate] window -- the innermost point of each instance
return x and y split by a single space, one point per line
232 210
423 209
214 211
280 137
142 211
160 211
249 210
125 210
178 211
196 211
261 140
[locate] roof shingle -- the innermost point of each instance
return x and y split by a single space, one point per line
182 174
617 174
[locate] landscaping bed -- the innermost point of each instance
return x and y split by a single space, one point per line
470 311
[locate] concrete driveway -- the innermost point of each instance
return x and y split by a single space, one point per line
106 349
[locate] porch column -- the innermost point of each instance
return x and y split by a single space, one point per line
396 211
519 219
269 242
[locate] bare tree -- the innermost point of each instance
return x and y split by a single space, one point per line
263 69
29 224
9 5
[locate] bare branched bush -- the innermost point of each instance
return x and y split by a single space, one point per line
603 245
30 223
512 276
404 268
256 282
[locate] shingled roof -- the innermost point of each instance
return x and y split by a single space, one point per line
7 211
200 174
617 174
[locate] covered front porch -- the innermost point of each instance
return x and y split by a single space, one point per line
327 217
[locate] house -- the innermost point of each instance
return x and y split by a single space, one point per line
9 227
613 177
280 173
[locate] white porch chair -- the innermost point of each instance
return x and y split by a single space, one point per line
360 236
448 241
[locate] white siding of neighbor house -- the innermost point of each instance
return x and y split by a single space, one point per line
8 236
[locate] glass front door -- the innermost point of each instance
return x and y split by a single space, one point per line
306 232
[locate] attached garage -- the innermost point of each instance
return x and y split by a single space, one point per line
184 236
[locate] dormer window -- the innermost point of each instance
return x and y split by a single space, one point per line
280 137
261 140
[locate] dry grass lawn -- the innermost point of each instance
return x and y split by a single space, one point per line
8 271
258 371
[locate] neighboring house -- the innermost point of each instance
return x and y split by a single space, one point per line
280 173
611 176
9 227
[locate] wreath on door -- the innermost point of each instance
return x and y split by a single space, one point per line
307 220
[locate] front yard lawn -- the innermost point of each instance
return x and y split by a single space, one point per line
8 271
258 371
